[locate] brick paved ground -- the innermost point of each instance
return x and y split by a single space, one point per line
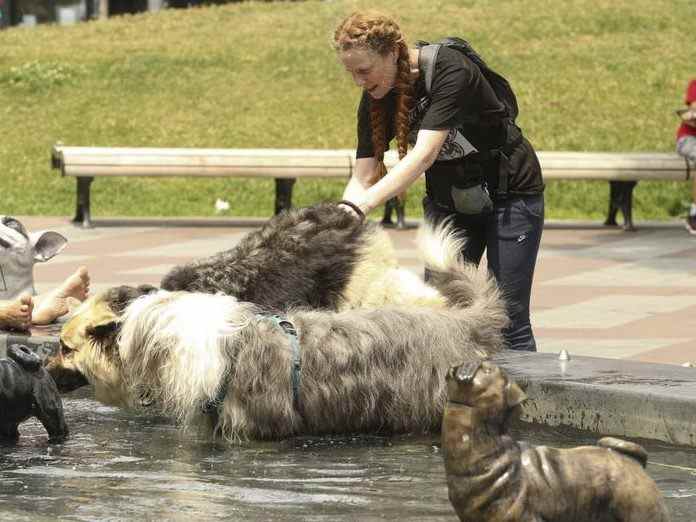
598 291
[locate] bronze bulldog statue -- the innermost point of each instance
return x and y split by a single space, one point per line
493 478
27 390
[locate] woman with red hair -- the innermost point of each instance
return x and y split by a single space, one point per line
480 172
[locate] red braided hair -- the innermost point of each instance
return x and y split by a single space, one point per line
377 33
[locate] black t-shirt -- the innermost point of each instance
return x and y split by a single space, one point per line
461 100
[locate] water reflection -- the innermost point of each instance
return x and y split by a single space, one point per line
129 466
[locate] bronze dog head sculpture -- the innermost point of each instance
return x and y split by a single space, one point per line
493 478
26 390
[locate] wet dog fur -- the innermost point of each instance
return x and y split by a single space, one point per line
368 370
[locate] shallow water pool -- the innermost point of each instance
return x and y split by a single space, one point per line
120 465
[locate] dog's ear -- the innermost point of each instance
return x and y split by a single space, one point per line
104 334
514 394
464 373
179 278
459 383
118 298
147 289
14 224
47 244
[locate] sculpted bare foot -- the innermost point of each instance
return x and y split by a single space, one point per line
63 299
16 314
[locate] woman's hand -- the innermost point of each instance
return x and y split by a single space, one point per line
352 209
407 170
366 195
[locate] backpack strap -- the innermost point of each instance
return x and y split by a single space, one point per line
426 64
503 154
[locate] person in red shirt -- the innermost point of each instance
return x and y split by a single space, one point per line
686 146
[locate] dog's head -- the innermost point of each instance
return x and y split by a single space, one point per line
486 388
19 251
88 342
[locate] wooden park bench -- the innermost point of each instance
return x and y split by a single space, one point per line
623 170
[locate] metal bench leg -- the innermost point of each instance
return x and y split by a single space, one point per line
621 199
613 207
627 208
82 211
283 199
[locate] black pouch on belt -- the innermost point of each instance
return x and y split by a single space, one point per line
460 186
469 191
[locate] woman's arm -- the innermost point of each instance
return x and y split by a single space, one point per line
361 179
399 178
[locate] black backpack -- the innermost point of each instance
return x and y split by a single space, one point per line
500 85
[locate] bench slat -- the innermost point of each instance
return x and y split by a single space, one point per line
150 151
209 161
614 174
206 171
612 162
291 163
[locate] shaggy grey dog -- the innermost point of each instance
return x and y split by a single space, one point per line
320 257
212 361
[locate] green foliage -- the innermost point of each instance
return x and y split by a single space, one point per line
596 75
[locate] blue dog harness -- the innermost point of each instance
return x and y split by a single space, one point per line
212 406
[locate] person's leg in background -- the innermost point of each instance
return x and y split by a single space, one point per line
692 211
691 218
513 238
686 146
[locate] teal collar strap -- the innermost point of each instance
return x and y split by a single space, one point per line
296 367
212 406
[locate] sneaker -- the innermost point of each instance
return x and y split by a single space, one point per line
691 224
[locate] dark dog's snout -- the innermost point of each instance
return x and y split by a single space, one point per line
66 379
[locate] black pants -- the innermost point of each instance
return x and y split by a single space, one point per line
511 235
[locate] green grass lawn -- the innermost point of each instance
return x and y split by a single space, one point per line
595 75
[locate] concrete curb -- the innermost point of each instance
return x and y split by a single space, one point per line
607 396
43 341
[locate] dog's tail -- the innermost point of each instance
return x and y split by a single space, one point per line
630 449
465 287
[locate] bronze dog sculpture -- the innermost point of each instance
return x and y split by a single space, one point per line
493 478
27 390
